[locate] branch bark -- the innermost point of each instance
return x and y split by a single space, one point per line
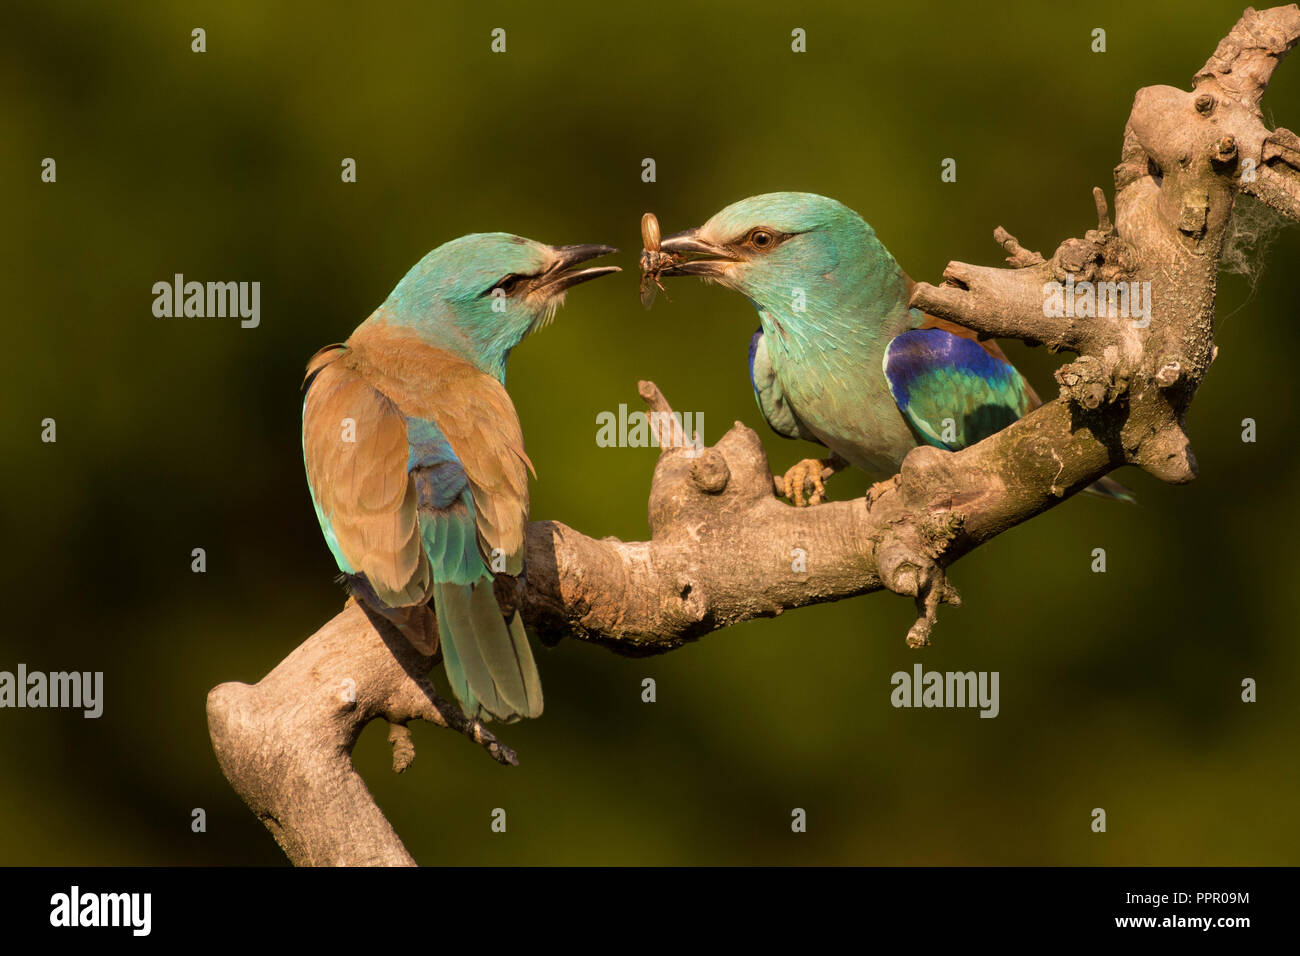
722 546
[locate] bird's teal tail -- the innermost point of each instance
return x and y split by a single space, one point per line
1108 487
489 663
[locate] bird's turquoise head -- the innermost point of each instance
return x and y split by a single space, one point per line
799 257
479 295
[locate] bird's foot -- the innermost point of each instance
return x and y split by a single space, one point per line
878 490
805 474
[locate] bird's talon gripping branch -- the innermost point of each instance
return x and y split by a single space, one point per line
805 474
879 489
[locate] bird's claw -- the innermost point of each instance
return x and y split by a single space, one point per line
879 489
807 473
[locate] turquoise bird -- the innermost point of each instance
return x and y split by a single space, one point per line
839 357
415 458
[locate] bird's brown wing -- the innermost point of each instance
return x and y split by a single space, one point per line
475 415
356 450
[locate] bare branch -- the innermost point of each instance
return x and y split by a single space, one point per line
285 743
1245 59
1017 255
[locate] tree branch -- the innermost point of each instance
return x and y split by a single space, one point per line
285 743
724 549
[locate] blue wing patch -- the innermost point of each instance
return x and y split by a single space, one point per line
952 391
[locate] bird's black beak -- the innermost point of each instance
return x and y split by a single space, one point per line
694 256
563 276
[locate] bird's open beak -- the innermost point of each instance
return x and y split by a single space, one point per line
694 256
562 275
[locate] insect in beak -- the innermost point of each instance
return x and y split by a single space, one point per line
653 260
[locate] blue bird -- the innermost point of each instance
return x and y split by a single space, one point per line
839 358
415 459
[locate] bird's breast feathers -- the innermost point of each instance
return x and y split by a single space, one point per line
838 390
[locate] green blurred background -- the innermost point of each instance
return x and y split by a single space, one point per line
1118 690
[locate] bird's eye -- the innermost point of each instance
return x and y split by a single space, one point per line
507 285
761 239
